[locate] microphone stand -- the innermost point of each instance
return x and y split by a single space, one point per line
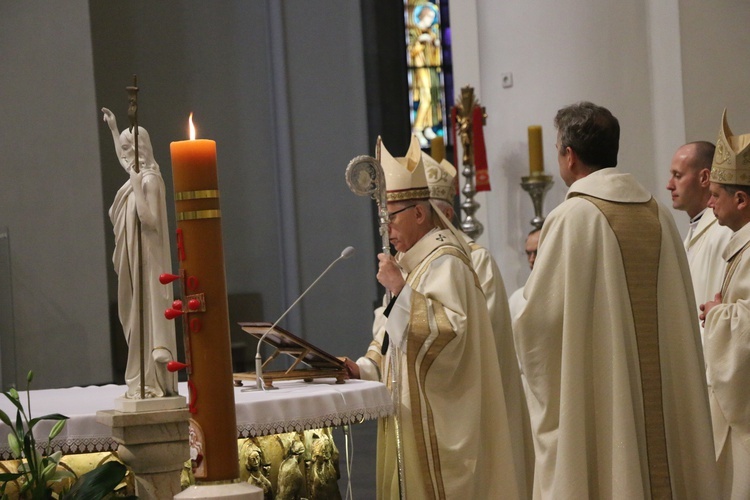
345 254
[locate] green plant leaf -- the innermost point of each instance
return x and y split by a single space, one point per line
15 446
12 395
39 460
6 419
9 476
30 376
56 457
97 483
51 416
19 425
48 472
56 429
61 474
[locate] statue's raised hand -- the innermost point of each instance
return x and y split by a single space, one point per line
109 119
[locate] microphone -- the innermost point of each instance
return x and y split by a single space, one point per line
345 254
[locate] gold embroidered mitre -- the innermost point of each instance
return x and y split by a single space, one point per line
440 178
732 157
405 177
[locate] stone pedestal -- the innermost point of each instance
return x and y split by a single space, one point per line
235 491
154 445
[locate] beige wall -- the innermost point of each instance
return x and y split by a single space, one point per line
658 65
716 73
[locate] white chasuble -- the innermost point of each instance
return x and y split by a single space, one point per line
705 247
727 348
611 351
492 284
455 439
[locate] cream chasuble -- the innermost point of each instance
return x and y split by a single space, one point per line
492 284
610 349
705 246
455 434
727 347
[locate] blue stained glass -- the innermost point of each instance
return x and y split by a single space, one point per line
429 64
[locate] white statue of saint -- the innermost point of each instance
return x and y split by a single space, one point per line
142 198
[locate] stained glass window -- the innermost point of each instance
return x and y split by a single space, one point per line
430 77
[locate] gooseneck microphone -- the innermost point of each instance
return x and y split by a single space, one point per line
345 254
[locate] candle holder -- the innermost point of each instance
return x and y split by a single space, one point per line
537 186
469 224
469 117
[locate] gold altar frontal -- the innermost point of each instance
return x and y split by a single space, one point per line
285 436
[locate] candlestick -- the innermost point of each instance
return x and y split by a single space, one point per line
208 345
468 116
536 158
537 186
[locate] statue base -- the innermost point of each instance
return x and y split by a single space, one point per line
238 491
154 445
130 405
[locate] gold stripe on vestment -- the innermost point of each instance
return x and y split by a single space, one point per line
638 232
375 357
418 334
196 195
198 215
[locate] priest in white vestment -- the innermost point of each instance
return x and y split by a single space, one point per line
608 339
454 440
689 183
441 179
516 300
727 316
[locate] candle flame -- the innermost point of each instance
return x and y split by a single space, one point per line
192 127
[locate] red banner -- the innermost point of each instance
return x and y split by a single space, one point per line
482 175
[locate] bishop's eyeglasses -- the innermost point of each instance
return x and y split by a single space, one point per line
391 215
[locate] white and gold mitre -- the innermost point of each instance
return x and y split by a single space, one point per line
440 178
405 177
732 157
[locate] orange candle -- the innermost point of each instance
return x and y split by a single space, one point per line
536 158
207 337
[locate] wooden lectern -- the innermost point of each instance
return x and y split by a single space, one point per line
319 364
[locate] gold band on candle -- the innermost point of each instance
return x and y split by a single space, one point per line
196 195
198 215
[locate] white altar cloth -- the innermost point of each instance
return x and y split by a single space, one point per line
294 406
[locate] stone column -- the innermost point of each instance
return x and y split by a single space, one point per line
154 445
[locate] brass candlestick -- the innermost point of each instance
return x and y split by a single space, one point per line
537 186
464 112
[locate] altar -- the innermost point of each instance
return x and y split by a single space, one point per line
294 407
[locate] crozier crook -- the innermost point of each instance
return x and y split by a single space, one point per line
365 177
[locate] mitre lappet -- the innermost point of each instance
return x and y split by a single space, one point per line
731 163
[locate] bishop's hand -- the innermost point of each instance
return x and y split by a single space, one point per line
389 274
705 308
